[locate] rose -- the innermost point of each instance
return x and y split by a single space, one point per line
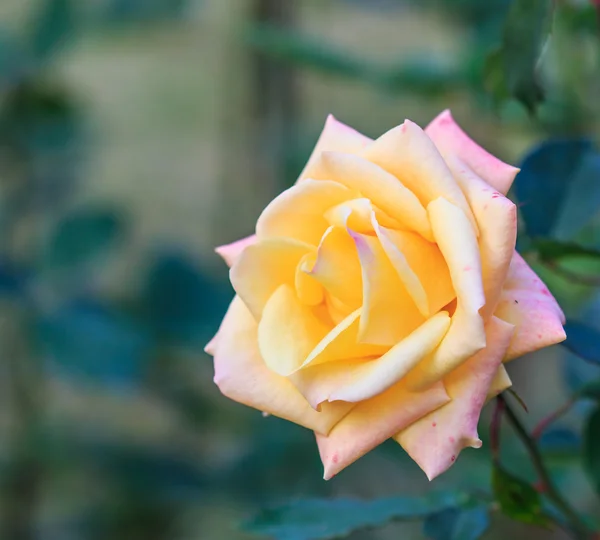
381 295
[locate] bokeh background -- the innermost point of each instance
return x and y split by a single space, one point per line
136 135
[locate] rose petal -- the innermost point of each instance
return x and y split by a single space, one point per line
497 219
337 267
435 441
451 140
360 379
230 252
382 188
264 266
298 212
388 312
421 268
528 304
500 382
410 155
309 290
357 215
372 422
241 375
457 242
288 331
336 137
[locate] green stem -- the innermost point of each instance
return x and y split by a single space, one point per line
577 525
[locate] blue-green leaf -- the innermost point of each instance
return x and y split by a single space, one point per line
54 24
322 519
457 524
591 448
545 176
583 340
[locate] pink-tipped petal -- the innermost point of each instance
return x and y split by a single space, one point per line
451 141
374 421
230 252
435 441
336 137
528 304
241 375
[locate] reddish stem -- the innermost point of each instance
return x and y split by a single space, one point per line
552 417
495 429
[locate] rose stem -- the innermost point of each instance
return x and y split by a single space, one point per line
552 417
576 523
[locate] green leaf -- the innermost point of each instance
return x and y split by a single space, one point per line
456 524
512 69
54 23
323 519
518 500
83 235
591 449
583 340
590 390
552 250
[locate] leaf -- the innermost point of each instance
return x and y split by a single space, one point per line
518 500
82 236
323 519
179 299
457 524
512 69
53 26
87 339
559 440
542 184
590 390
591 448
583 340
552 250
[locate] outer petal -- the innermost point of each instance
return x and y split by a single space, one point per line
435 441
298 212
336 137
230 252
497 219
360 379
241 375
528 304
383 189
500 382
466 335
372 422
263 267
410 155
451 140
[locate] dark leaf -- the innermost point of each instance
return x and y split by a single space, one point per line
590 390
518 500
591 448
83 235
87 339
457 524
53 26
321 519
180 299
552 250
560 440
13 59
583 340
544 179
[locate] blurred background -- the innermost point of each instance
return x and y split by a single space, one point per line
136 135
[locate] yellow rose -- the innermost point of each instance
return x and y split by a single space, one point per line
381 295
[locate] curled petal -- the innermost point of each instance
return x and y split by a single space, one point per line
336 137
500 382
230 252
528 304
383 189
363 378
452 141
241 375
372 422
435 441
264 266
457 242
410 155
